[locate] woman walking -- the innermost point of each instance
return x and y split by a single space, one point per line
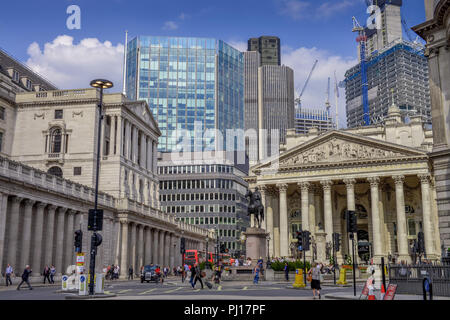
315 273
256 272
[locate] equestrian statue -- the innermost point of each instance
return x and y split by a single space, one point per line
255 206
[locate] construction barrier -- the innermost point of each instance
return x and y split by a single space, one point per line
342 276
299 282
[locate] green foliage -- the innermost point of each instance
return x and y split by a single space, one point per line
349 260
202 265
332 260
297 264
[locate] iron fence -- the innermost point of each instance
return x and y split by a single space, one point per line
409 278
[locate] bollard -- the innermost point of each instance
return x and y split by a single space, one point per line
82 286
299 283
342 276
64 280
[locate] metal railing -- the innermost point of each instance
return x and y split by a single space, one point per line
409 278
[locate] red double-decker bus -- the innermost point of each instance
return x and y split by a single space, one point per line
196 256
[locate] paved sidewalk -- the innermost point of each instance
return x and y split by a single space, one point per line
345 296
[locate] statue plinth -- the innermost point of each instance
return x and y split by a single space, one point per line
256 243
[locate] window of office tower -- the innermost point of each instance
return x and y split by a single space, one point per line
177 77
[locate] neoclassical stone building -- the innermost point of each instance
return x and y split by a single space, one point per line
382 172
436 32
46 185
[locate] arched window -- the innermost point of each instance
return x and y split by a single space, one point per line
55 140
56 171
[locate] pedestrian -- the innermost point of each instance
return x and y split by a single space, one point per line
52 274
130 273
256 272
46 274
25 276
315 273
185 272
197 275
286 270
116 272
191 280
166 271
8 273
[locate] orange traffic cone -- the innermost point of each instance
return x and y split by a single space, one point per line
382 292
371 297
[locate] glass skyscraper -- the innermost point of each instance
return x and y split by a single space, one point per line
188 82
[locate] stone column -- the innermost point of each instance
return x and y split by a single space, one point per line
140 248
13 234
172 251
60 241
49 235
376 228
155 253
124 264
70 235
304 187
318 209
269 214
143 151
284 232
426 210
312 210
38 237
135 145
167 246
133 247
350 186
3 210
26 233
263 201
161 248
328 213
147 246
402 235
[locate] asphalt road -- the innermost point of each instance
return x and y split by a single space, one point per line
173 288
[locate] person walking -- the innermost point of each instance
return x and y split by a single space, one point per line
256 272
191 280
52 274
130 273
315 273
185 272
25 277
286 271
197 275
116 272
8 274
46 274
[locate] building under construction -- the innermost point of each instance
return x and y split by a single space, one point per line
400 72
305 119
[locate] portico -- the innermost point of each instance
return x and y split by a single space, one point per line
310 187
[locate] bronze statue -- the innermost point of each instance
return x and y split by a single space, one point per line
255 206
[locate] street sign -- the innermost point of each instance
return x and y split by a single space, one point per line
300 248
390 292
80 259
95 217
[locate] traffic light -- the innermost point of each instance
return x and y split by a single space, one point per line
337 241
97 239
421 242
300 240
352 225
183 246
306 240
222 248
78 240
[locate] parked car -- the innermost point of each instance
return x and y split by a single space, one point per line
151 273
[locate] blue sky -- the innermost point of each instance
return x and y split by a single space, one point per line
309 29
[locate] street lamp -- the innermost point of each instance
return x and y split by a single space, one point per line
96 239
207 255
268 251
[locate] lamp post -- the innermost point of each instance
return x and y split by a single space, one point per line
96 238
268 251
207 255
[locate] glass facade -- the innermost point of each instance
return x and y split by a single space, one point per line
192 84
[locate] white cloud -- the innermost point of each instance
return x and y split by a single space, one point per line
239 45
170 25
301 61
332 7
299 9
72 66
183 16
293 8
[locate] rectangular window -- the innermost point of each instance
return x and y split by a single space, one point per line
58 114
2 113
1 141
77 171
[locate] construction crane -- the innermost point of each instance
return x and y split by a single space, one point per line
327 101
362 39
336 97
298 100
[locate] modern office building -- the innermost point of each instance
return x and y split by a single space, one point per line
206 192
191 85
306 119
269 49
399 71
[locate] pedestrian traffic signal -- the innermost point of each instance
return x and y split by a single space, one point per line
352 225
183 246
337 241
78 240
306 240
421 242
97 239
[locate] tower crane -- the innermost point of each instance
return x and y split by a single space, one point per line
327 101
362 39
298 100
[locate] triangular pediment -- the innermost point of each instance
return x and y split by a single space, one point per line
341 147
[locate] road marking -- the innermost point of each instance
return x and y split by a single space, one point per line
197 290
123 291
148 291
173 290
107 292
219 288
244 288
